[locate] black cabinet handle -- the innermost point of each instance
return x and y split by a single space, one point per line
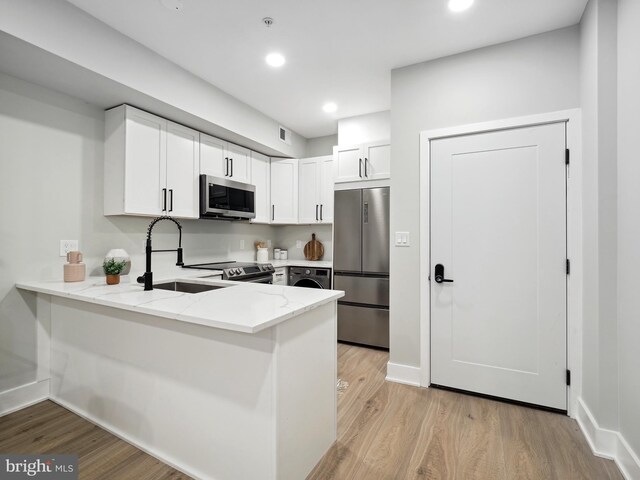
231 174
439 274
273 212
321 211
365 167
316 212
171 199
164 199
360 167
226 167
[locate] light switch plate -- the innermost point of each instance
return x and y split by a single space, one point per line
241 244
298 243
403 239
68 246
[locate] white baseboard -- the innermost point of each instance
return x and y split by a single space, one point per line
608 443
406 374
23 396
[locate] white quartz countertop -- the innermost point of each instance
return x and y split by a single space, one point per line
301 263
241 307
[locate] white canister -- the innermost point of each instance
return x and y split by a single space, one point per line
263 255
276 253
284 254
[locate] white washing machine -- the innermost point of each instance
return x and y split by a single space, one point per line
310 277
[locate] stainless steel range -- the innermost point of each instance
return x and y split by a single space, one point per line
239 271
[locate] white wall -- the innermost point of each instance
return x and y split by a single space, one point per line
599 105
533 75
629 220
160 84
364 128
51 188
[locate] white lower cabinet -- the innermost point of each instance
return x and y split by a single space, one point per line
315 202
284 191
261 179
151 165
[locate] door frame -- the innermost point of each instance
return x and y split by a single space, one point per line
574 235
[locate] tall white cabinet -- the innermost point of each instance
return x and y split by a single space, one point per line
284 191
261 178
223 159
151 165
315 201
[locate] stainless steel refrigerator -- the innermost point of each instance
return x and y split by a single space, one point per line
361 265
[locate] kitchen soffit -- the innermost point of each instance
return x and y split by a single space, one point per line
336 50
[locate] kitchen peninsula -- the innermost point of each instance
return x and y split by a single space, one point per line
232 383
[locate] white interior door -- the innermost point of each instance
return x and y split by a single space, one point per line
498 227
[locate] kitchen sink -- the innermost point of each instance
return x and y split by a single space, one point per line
186 287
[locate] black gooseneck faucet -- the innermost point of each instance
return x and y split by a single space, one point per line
147 278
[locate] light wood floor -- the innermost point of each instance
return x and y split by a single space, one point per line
48 428
392 431
385 431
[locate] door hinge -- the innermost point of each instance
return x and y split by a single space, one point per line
568 267
568 377
567 155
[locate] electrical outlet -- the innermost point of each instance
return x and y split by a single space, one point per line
241 244
298 243
68 246
268 243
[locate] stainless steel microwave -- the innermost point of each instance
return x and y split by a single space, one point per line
226 199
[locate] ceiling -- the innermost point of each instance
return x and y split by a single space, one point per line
336 50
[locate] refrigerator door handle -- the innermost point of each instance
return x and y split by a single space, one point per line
365 212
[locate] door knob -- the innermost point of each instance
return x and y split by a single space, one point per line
439 274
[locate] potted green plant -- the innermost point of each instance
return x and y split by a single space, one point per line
112 269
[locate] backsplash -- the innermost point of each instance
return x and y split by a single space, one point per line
288 237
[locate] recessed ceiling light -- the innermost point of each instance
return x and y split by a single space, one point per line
275 59
330 107
459 5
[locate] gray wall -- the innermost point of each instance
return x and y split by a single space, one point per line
51 188
629 220
319 146
533 75
598 73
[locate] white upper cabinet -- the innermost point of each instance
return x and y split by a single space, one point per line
183 150
371 161
284 191
326 190
149 162
239 163
309 191
348 164
222 159
377 161
315 190
261 178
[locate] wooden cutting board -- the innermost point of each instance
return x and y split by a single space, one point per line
313 250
